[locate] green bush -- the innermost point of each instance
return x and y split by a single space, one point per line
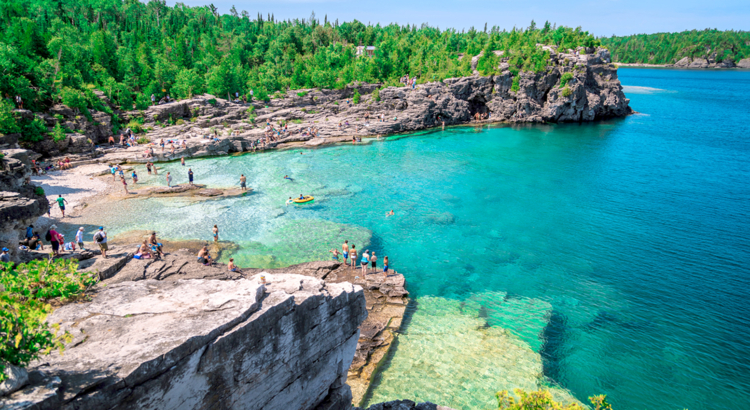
376 95
356 97
143 140
180 122
39 191
542 400
8 123
516 86
26 292
297 121
212 101
142 102
33 131
567 92
136 126
302 93
565 78
58 133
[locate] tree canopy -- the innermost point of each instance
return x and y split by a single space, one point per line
668 48
60 50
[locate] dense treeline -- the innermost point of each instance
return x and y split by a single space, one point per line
59 50
668 48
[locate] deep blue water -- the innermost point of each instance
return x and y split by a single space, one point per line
634 235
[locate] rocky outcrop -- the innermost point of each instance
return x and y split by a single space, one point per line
200 344
707 62
20 202
744 63
406 405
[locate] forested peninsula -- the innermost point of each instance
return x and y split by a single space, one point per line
724 49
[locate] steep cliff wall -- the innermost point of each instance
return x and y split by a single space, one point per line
203 344
20 204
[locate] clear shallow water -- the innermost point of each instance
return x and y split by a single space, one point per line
607 258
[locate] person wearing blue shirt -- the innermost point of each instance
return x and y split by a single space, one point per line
29 232
4 257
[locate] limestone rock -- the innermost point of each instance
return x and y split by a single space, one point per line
683 62
744 63
201 344
16 378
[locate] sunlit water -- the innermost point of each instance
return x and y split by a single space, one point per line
607 258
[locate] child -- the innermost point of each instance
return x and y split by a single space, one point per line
385 266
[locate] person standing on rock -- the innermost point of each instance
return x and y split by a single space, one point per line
4 256
182 161
374 262
353 256
61 202
169 180
190 176
364 262
30 232
101 239
79 238
216 233
243 182
345 251
124 185
54 239
385 266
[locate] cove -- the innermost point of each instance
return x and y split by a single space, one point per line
608 258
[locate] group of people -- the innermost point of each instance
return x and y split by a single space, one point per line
368 259
480 116
409 82
33 242
151 248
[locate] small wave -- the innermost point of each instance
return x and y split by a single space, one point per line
634 89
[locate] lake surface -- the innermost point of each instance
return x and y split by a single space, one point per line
607 258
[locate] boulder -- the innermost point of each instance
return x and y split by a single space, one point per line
744 63
683 62
16 378
699 63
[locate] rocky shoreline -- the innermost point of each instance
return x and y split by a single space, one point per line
687 62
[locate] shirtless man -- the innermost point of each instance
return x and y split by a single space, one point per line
345 250
387 214
335 253
203 256
243 182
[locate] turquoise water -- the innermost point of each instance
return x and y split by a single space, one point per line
607 258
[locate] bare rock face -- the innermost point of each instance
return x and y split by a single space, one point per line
202 344
20 205
744 63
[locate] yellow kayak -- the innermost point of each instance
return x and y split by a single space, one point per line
307 198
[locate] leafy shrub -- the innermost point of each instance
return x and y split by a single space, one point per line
8 123
262 95
58 133
143 140
565 78
180 122
212 102
356 97
516 86
59 117
297 121
39 191
542 400
33 131
142 102
376 94
136 126
26 292
302 93
116 127
567 92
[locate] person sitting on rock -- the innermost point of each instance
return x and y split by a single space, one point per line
204 257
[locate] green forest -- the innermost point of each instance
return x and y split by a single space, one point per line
60 50
668 48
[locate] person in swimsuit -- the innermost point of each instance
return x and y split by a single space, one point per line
364 262
124 184
353 256
204 257
287 177
335 253
345 250
169 180
232 267
289 201
243 179
216 233
385 266
135 177
190 175
387 214
301 197
148 167
374 261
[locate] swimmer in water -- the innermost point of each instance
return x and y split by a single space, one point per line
387 214
287 177
289 201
